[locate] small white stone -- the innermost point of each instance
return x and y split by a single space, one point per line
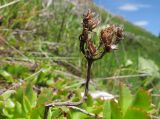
101 94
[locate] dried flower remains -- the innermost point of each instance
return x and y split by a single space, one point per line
109 37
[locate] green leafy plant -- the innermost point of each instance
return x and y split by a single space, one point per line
37 42
129 106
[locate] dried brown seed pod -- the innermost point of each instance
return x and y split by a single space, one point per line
89 21
91 47
119 34
110 36
106 36
89 15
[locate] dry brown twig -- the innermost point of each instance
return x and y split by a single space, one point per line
85 112
109 38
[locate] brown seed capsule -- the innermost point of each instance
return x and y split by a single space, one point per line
106 36
89 15
91 47
89 21
110 36
119 34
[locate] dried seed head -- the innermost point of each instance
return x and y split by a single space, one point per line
89 21
110 36
89 15
106 36
91 47
119 34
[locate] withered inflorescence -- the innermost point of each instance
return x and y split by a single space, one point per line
109 37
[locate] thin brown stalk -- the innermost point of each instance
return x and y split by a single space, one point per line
85 112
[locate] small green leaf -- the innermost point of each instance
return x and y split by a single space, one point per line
125 98
9 103
148 66
6 113
107 110
8 77
45 96
18 109
1 104
128 63
69 116
19 94
49 114
78 115
142 100
31 95
26 104
135 113
35 114
7 94
56 112
115 110
16 70
89 101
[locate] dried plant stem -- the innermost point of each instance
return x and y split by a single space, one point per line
84 111
88 78
78 109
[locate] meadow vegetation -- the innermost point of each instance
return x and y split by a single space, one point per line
41 63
